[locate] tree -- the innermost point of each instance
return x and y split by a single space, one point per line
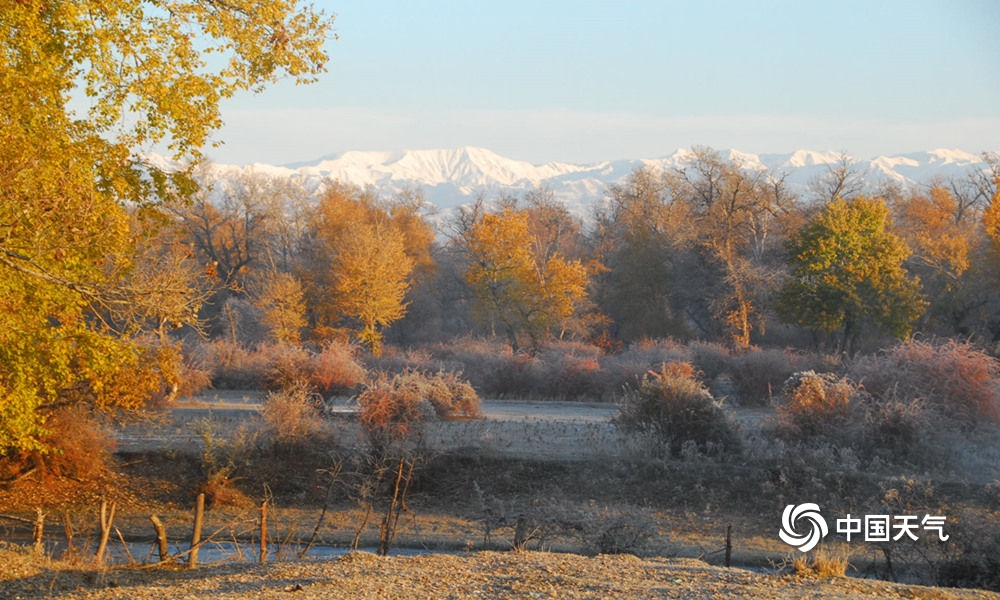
991 218
635 240
848 275
359 270
842 179
280 298
734 211
372 279
512 287
86 87
934 226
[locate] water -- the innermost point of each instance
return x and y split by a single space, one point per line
146 552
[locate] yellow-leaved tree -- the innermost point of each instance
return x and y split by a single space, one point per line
991 219
514 288
87 86
359 270
848 275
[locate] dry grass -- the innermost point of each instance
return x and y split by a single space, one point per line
820 565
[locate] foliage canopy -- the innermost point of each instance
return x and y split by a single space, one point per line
848 275
87 86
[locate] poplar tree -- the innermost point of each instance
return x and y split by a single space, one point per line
88 87
848 277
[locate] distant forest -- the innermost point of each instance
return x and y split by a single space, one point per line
711 251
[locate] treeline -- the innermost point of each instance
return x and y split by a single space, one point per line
712 251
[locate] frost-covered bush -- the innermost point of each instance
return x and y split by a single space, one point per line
675 407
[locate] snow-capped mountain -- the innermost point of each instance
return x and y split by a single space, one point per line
449 178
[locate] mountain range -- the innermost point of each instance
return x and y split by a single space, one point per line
449 178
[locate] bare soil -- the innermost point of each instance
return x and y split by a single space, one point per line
483 575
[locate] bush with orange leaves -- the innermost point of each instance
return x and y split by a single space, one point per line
816 404
394 409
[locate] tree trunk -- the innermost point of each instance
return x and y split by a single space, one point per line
107 516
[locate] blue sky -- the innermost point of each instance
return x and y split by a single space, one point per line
585 81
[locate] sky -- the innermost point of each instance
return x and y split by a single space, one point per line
582 81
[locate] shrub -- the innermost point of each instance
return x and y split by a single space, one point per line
285 365
334 371
676 408
897 430
393 409
820 565
815 405
757 375
958 381
452 397
231 366
80 445
291 416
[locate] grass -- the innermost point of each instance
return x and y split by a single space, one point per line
820 565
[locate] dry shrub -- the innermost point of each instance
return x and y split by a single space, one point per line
644 355
451 397
393 409
232 366
285 365
677 408
194 379
334 370
758 374
220 490
291 416
815 404
20 562
824 408
974 558
955 379
222 457
898 430
482 362
820 565
622 530
581 378
80 445
710 358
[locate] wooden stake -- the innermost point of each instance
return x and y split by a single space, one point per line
161 537
107 517
128 553
263 531
729 545
39 531
199 519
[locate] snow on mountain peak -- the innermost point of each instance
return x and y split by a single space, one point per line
450 177
947 156
811 158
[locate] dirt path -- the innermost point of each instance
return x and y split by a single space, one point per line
480 575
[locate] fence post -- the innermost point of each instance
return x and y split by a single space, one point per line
263 531
161 537
199 517
729 545
39 531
